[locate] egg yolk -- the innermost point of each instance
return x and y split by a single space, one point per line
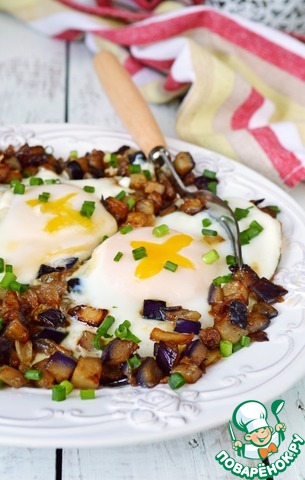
64 214
159 254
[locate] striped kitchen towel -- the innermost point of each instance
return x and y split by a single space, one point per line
241 84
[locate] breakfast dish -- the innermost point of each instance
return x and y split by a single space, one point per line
138 288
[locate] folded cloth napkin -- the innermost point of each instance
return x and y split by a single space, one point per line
241 84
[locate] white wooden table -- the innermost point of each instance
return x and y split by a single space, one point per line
43 80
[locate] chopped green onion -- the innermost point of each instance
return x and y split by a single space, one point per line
209 232
209 174
73 154
171 266
1 322
147 174
206 222
36 181
1 265
124 333
19 189
222 279
88 394
176 380
236 346
240 213
134 168
113 161
160 231
120 195
104 238
133 362
139 253
102 331
212 186
15 286
14 182
226 348
87 209
253 231
118 257
126 229
89 189
131 202
52 181
245 341
68 386
210 257
44 197
275 208
8 278
1 384
33 374
9 268
230 260
23 287
59 393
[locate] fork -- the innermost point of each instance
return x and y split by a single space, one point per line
135 114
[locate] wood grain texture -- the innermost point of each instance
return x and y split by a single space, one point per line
27 464
32 75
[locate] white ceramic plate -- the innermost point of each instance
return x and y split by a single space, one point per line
126 415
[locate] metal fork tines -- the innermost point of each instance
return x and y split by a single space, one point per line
217 208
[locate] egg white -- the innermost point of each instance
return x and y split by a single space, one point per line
114 286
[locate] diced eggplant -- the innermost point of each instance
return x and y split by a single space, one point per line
89 315
189 370
196 351
74 285
183 163
47 379
268 291
87 373
52 317
86 341
215 294
158 335
61 366
167 356
238 313
149 374
228 331
173 313
15 330
118 351
245 274
12 377
257 322
213 356
187 326
56 335
154 309
74 170
265 309
6 347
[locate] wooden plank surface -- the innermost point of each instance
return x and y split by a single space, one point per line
33 89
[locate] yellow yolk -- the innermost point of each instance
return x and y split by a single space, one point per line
64 214
159 254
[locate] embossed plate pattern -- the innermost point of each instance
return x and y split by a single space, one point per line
127 415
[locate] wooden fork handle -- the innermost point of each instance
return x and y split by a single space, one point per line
128 102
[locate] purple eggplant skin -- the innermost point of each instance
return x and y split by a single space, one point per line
63 359
52 317
149 374
187 326
6 347
66 265
268 291
74 285
153 309
238 313
74 170
56 335
196 351
166 357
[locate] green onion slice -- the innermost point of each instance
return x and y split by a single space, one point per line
139 253
226 348
87 394
133 362
209 232
59 393
176 380
134 168
36 181
68 386
126 229
89 189
8 278
210 257
209 174
1 265
44 197
251 232
118 257
33 374
222 279
230 260
206 222
240 213
171 266
87 209
160 231
19 189
120 195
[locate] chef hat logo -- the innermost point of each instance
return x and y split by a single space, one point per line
250 416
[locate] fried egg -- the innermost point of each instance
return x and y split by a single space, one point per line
122 286
35 232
